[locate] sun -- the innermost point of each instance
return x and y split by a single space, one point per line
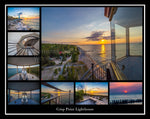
125 91
102 41
91 91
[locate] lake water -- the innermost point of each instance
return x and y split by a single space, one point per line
125 97
101 53
65 98
32 23
13 71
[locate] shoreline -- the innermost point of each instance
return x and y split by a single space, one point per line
84 57
17 24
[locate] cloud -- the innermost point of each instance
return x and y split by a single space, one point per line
107 37
97 35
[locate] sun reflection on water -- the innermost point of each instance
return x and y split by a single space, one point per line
103 52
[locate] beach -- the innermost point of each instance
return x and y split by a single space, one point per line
21 24
17 25
97 68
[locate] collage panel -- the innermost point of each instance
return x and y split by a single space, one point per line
63 55
57 93
91 93
23 43
127 44
76 62
126 93
60 62
23 18
23 68
23 93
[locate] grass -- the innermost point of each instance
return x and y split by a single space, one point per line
43 94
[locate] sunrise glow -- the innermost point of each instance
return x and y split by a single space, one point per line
24 12
94 88
61 85
125 91
121 87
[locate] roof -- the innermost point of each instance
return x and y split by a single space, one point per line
23 61
109 12
23 86
125 16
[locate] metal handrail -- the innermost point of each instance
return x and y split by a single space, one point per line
118 73
99 72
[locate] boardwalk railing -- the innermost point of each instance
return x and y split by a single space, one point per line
52 100
95 72
57 100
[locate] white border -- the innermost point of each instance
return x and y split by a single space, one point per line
101 5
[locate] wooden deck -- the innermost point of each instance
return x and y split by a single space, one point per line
29 77
92 100
132 67
18 102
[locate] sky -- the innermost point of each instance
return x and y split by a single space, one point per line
25 12
74 25
126 88
28 92
86 25
93 87
14 66
66 86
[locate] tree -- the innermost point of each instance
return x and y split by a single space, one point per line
74 57
51 63
64 69
79 95
52 78
69 75
59 69
55 71
72 74
61 77
64 58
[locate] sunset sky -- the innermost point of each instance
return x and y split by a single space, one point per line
126 88
25 12
66 86
28 92
75 25
81 26
93 88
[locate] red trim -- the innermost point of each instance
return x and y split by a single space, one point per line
107 11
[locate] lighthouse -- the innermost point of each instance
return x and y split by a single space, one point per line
19 15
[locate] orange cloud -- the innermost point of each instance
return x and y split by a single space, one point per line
124 84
